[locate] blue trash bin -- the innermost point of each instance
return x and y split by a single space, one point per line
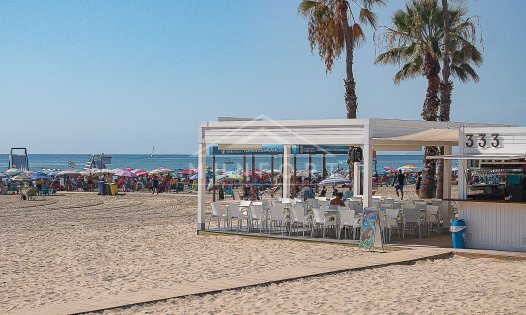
100 187
458 230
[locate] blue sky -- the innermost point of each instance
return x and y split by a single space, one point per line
121 76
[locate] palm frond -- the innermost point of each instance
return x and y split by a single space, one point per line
368 17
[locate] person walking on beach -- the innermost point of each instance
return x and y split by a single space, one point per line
400 184
155 185
418 183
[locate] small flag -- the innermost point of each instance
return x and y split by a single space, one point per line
72 164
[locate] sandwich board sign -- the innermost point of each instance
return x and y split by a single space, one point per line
370 235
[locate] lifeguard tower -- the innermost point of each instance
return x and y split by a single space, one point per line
18 159
98 161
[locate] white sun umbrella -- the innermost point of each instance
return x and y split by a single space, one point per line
88 171
13 171
67 173
219 179
335 180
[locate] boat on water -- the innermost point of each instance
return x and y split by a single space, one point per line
153 151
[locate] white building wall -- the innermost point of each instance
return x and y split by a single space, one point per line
493 225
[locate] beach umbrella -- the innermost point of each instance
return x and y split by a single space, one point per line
139 172
407 168
106 171
335 180
188 172
88 171
128 168
39 175
196 176
125 173
67 173
389 169
13 171
234 176
221 178
161 170
21 178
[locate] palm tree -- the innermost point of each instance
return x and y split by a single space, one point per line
330 31
416 39
465 51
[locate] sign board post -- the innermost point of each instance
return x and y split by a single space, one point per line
371 235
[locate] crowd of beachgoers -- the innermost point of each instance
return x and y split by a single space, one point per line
163 179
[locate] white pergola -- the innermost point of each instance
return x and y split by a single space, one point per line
370 134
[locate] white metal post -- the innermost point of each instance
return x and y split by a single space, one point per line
286 171
462 167
201 181
447 186
356 179
367 167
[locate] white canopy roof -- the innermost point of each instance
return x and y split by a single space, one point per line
432 136
477 157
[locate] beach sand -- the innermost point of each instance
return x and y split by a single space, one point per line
83 246
453 286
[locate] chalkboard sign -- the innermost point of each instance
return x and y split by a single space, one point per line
370 230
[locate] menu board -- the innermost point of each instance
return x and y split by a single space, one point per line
370 236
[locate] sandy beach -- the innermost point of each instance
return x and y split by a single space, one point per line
82 246
453 286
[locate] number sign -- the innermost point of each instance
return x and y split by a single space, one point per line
483 141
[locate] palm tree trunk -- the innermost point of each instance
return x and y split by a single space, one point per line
429 113
446 88
351 100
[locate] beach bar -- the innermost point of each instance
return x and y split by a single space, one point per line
369 134
492 186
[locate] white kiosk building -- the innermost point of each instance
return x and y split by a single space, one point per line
379 135
492 186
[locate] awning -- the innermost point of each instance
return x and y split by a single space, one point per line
428 137
477 157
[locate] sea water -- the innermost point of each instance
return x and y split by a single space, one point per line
185 161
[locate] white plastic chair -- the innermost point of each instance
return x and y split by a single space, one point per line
256 214
312 203
318 220
412 216
384 226
298 217
217 212
389 201
323 203
392 220
432 218
347 220
277 215
386 206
